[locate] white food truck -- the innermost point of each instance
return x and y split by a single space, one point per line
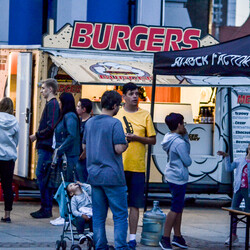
86 62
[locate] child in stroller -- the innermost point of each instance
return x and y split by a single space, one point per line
62 196
81 207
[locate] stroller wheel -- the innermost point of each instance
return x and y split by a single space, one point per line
64 245
58 244
75 247
90 245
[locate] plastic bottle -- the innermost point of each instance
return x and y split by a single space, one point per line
205 115
153 225
212 115
201 115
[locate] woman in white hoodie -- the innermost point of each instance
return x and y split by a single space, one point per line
9 133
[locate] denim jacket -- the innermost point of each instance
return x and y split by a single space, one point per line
238 164
67 135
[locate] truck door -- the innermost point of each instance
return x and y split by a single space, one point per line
23 105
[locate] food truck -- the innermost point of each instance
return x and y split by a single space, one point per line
89 58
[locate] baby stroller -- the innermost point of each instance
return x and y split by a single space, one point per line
69 232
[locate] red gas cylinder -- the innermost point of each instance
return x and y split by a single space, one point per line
15 191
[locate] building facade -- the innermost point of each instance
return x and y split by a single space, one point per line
25 22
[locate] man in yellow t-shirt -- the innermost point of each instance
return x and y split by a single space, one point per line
134 158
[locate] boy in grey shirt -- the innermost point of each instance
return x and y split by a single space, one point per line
81 206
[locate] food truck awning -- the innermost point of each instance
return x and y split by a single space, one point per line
222 64
107 67
104 67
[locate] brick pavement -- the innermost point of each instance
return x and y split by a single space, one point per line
205 226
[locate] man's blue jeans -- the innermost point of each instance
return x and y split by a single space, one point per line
114 197
41 169
81 171
71 168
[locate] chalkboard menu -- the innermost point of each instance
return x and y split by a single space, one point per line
240 130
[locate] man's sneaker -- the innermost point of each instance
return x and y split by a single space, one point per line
82 238
179 241
41 214
132 244
57 222
235 241
165 243
90 236
34 213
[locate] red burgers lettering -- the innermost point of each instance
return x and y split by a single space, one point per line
152 39
120 35
97 44
101 36
82 35
190 38
140 44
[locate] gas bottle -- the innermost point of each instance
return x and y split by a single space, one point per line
153 225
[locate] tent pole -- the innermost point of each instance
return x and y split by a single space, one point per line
150 146
230 130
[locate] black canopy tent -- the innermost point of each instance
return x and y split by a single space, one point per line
228 61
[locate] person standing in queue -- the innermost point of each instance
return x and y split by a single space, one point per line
9 135
43 138
104 142
83 109
177 146
66 139
241 185
67 134
134 157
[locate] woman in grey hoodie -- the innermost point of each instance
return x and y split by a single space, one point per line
9 133
176 144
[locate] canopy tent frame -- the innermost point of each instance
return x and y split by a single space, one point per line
165 64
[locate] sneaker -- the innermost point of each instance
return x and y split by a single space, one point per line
90 236
235 241
165 243
58 221
179 241
34 213
41 214
82 238
132 244
6 220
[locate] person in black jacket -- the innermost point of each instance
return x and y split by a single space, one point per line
44 138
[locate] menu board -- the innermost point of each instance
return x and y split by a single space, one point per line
240 130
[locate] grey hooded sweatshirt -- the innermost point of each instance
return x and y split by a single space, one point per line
177 148
9 134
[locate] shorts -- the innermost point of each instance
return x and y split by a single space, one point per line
135 183
178 197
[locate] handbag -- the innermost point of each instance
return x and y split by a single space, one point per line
55 168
